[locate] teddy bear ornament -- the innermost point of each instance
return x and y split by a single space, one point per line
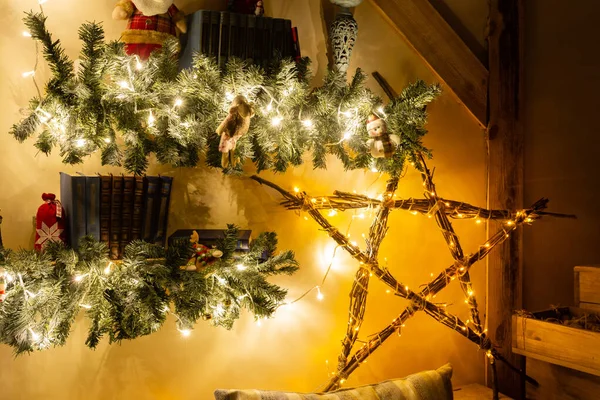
149 24
381 144
233 127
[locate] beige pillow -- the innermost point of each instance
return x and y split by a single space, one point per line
426 385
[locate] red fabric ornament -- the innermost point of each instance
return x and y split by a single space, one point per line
49 222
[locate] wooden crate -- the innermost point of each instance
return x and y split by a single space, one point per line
587 287
558 344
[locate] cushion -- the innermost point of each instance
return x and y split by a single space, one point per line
427 385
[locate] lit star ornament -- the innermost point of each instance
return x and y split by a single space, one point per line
369 265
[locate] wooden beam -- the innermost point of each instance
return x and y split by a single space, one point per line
442 49
505 180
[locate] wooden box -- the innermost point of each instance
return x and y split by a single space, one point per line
551 342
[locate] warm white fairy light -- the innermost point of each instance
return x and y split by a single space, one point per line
307 123
139 65
80 142
185 332
108 268
297 189
221 280
107 140
124 84
332 213
347 135
151 119
35 336
79 278
380 110
320 296
178 102
31 294
86 306
276 121
374 169
26 34
346 114
258 322
241 267
40 2
229 96
28 74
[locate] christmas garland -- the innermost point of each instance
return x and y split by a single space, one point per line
46 290
128 109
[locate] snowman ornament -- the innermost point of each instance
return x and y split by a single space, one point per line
149 24
381 144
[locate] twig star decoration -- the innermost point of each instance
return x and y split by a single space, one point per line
440 209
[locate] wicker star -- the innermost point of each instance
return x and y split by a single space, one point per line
440 209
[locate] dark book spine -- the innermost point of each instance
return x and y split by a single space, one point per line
151 204
191 41
250 37
278 41
115 217
243 43
72 194
233 36
92 202
268 39
138 209
288 40
163 210
296 45
205 34
258 41
105 200
127 211
223 38
215 20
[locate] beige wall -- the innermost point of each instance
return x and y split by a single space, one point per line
290 351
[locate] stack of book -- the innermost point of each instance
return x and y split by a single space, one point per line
223 34
116 209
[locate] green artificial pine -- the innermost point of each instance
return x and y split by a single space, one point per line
128 109
46 291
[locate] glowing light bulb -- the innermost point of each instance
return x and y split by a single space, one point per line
80 142
297 190
151 119
380 110
332 213
347 135
346 114
510 223
307 123
374 169
26 34
124 84
108 268
78 278
258 322
35 336
178 102
276 121
487 245
470 293
9 278
241 267
28 74
107 140
229 96
86 306
269 107
342 381
320 296
478 221
185 332
138 65
221 280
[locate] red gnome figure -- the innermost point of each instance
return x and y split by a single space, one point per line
150 23
203 256
50 226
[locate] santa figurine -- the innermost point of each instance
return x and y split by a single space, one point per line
149 24
381 143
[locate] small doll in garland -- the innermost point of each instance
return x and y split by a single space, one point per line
381 144
2 285
149 24
233 127
203 256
